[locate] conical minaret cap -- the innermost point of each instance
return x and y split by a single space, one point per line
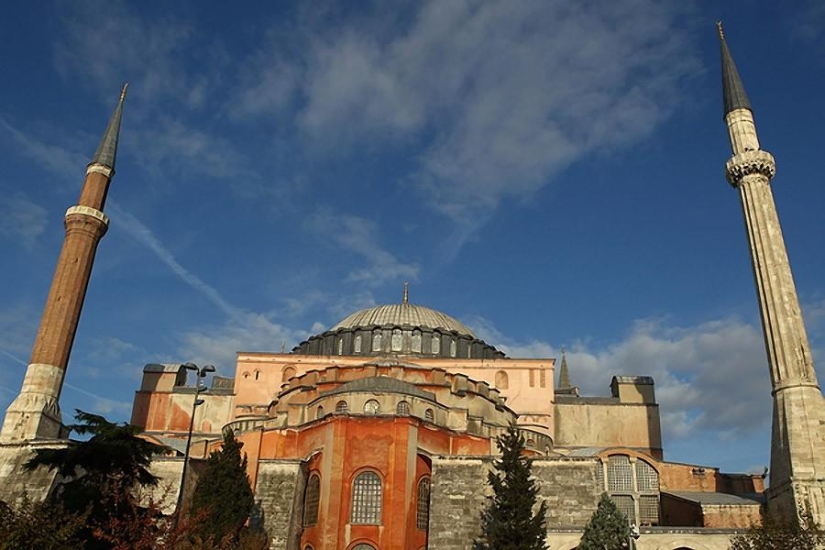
564 373
107 150
732 89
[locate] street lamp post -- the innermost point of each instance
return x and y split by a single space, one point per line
200 374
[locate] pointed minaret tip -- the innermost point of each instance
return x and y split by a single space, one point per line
406 297
564 373
733 92
106 153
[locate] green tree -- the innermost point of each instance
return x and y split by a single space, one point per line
608 528
802 534
103 474
223 495
40 525
508 522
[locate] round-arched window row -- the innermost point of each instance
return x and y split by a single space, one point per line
367 498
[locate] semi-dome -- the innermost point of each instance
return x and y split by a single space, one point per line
403 315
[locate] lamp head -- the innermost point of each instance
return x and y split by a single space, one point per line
207 368
189 365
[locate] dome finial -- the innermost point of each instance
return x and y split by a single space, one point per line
406 297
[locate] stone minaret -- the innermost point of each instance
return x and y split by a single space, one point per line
35 414
797 444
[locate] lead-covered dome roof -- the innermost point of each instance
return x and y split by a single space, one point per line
403 315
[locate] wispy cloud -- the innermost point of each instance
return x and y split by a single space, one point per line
24 220
359 235
711 376
56 159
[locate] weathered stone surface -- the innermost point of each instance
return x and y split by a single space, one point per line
15 481
278 498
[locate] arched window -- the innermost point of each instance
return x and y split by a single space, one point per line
363 546
366 499
403 408
372 407
340 346
395 342
453 347
530 443
429 415
422 508
312 497
245 375
415 342
376 340
358 343
288 373
319 412
435 344
633 484
502 380
341 407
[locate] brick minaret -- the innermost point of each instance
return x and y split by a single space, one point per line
797 444
35 414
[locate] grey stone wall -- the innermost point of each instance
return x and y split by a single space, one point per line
459 489
15 482
278 498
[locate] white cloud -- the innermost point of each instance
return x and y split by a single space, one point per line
24 220
712 376
54 158
358 235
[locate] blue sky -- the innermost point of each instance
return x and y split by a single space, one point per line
550 173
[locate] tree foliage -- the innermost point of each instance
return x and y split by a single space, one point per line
608 528
223 494
802 534
39 525
102 476
508 522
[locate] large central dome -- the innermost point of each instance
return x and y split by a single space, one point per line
403 315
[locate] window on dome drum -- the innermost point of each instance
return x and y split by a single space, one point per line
429 415
502 380
422 509
403 408
372 407
340 346
634 485
358 344
341 407
435 344
452 348
366 499
363 546
376 341
312 497
319 412
416 342
395 342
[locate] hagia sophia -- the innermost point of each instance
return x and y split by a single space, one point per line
378 433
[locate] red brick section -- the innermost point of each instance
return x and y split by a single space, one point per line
53 343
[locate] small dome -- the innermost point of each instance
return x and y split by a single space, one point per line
404 314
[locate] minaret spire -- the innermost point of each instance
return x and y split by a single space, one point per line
406 297
107 150
733 92
35 413
797 441
564 373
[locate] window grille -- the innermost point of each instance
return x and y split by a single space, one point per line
646 477
372 407
429 415
341 407
600 476
312 497
648 510
422 514
366 499
363 546
625 504
403 408
619 474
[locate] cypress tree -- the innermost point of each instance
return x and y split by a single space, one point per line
222 495
608 528
508 522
